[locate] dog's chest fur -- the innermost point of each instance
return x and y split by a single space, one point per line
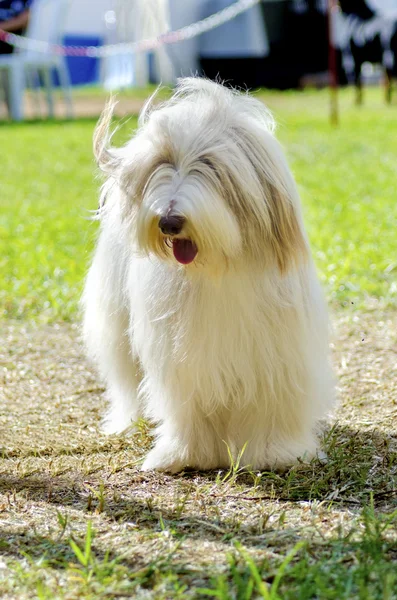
211 342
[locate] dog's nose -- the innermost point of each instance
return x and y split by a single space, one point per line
171 224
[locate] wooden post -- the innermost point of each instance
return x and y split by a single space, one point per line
332 66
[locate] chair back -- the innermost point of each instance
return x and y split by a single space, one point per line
46 24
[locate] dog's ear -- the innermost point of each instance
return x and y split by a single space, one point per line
277 204
106 156
281 211
287 236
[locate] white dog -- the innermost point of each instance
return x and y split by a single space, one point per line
203 311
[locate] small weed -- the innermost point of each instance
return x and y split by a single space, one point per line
90 568
235 470
99 495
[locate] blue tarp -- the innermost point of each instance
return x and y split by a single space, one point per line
83 69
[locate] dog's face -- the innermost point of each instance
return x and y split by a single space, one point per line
205 183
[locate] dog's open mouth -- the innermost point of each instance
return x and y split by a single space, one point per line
185 251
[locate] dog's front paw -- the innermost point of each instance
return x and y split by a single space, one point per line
118 421
163 458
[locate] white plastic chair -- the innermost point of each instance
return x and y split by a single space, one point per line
45 24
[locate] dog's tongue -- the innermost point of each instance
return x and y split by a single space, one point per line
185 251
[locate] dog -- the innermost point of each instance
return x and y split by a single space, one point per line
202 308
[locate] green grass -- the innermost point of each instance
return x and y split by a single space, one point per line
347 567
46 187
347 178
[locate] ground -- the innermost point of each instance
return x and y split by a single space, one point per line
77 517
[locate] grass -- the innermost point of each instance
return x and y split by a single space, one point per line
346 177
77 517
47 188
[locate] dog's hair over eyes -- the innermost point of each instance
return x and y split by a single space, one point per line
224 138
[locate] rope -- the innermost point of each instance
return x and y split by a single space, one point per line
172 37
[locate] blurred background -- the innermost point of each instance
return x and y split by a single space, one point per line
277 44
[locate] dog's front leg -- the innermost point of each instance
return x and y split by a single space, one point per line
194 442
122 391
106 324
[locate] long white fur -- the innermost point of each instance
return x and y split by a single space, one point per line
231 349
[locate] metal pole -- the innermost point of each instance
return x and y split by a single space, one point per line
332 65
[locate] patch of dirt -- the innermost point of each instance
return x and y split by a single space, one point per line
50 395
364 351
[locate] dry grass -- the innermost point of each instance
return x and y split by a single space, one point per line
169 535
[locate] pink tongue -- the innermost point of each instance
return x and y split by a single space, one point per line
184 251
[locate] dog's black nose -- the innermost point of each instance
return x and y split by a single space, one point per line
171 224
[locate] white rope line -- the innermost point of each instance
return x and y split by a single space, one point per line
185 33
